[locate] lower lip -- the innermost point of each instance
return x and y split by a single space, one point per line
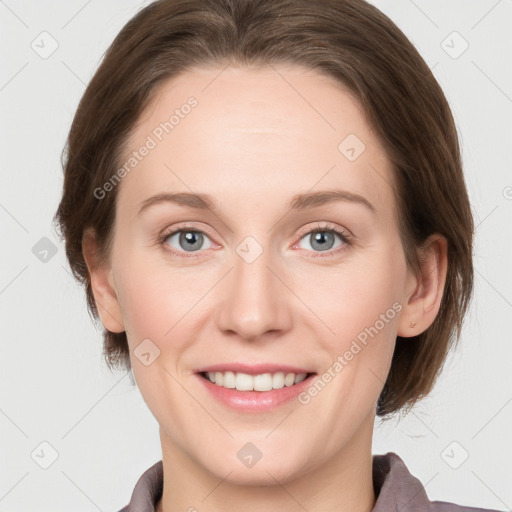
256 401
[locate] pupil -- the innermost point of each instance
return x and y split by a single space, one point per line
320 238
193 238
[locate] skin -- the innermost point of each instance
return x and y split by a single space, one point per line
257 137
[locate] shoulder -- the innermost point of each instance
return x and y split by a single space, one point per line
147 491
397 489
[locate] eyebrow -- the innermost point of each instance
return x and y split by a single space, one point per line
298 202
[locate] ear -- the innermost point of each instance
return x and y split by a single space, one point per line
102 284
424 292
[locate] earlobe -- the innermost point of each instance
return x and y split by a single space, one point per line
102 285
423 302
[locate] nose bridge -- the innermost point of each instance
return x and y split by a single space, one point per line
254 301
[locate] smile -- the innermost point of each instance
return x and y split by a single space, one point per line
254 393
260 382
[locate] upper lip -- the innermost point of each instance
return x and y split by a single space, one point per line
252 369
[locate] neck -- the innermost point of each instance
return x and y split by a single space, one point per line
343 483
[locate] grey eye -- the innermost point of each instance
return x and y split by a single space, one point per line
188 240
321 239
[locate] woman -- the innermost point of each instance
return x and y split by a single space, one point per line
257 133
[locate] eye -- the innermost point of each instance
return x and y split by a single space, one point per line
183 240
323 238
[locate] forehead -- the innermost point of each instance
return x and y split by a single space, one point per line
264 132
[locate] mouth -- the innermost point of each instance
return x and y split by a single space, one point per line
255 392
261 382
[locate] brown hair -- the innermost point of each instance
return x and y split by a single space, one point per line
349 40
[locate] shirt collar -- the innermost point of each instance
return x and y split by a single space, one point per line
394 486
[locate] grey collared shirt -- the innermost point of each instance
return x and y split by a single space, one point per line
396 490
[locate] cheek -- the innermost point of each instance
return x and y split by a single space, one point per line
359 306
154 297
157 305
356 296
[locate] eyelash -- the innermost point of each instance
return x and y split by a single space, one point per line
345 237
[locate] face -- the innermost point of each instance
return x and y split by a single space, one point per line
295 267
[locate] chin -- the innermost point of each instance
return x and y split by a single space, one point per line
264 475
272 466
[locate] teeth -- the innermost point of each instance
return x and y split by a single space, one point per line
229 380
261 382
278 380
244 382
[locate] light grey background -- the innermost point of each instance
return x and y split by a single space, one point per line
55 387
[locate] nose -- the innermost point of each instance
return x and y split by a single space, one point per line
254 299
